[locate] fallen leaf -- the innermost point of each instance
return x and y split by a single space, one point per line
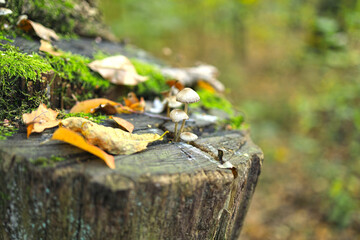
132 104
46 46
40 119
175 83
87 105
118 70
128 126
106 109
112 140
190 76
73 138
41 31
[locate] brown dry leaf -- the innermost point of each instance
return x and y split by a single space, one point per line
41 31
118 70
71 137
87 105
40 119
112 140
128 126
46 46
106 109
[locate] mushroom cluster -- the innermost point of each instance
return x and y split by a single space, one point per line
186 96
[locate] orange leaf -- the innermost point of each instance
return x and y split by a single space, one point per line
132 104
123 123
87 105
29 129
175 83
131 99
71 137
205 85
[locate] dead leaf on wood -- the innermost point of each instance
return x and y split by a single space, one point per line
73 138
88 106
112 140
175 83
41 31
205 85
128 126
40 119
118 70
106 109
132 104
46 46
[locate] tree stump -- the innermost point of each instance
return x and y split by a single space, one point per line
169 191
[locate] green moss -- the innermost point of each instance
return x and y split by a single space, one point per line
156 82
97 118
21 85
47 162
74 70
6 131
59 15
211 100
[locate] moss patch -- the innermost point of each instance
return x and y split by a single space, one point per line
21 84
47 162
76 78
6 131
92 117
156 82
211 100
59 15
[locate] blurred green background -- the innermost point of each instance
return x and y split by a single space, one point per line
292 66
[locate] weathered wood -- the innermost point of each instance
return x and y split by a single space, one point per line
169 191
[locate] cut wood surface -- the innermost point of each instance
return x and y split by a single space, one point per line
169 191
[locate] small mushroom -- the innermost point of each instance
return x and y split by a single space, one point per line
186 96
176 116
170 98
172 103
188 137
5 11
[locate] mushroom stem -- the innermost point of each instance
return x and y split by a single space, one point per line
175 132
186 108
167 110
181 129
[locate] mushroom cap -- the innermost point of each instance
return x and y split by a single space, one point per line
178 115
188 136
5 11
173 103
187 95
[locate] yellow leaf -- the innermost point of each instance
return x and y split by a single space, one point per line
118 70
112 140
40 119
41 31
123 123
71 137
46 46
87 105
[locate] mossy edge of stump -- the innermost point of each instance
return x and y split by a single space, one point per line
169 191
